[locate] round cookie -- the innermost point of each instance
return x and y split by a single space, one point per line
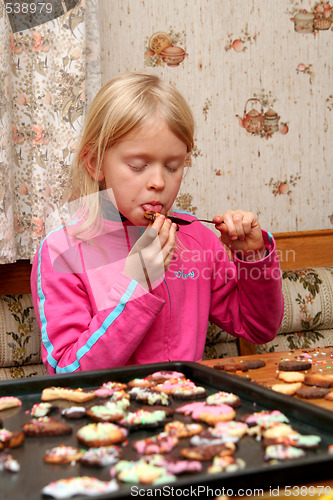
294 365
222 397
101 434
312 392
182 430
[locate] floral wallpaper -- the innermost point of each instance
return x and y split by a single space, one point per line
49 72
258 75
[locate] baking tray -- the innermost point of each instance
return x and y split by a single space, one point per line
304 417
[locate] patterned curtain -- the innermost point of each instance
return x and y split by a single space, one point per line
49 72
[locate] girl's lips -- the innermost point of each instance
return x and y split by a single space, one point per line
148 207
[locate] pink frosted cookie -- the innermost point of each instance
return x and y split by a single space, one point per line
160 443
227 398
140 472
181 388
101 434
264 418
109 388
7 402
231 428
211 414
81 485
176 467
162 375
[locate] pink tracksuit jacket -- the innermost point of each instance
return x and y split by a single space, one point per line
92 316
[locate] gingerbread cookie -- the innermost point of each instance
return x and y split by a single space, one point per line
211 414
77 395
294 365
318 380
208 452
81 485
254 364
312 392
222 397
7 402
158 444
11 439
46 426
230 365
62 455
102 456
101 434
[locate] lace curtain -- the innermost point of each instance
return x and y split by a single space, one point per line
48 75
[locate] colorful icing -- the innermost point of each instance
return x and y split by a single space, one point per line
150 396
109 388
102 456
266 418
100 431
282 452
8 463
197 409
225 464
40 409
222 397
230 428
9 402
140 471
161 443
81 485
144 417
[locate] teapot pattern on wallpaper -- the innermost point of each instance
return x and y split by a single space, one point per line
319 18
165 48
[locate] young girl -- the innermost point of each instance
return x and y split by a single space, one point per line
110 291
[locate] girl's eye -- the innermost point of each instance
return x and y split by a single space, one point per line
137 168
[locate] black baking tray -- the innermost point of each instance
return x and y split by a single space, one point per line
257 476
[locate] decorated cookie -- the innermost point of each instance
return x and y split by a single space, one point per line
329 396
281 452
149 396
175 466
77 395
140 472
231 428
102 456
309 442
225 464
264 418
162 375
223 398
8 463
62 455
46 426
109 412
211 414
41 409
141 419
141 382
312 392
208 437
294 365
182 430
10 439
109 388
81 485
158 444
208 452
74 412
7 402
101 434
181 388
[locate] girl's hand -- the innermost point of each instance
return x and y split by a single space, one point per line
241 232
151 255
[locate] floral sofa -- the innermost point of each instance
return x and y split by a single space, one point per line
307 322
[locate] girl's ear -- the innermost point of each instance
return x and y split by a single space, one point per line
90 164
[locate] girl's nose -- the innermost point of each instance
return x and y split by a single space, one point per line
156 178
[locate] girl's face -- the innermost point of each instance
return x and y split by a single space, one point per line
144 171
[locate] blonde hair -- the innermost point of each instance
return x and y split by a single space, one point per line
124 104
